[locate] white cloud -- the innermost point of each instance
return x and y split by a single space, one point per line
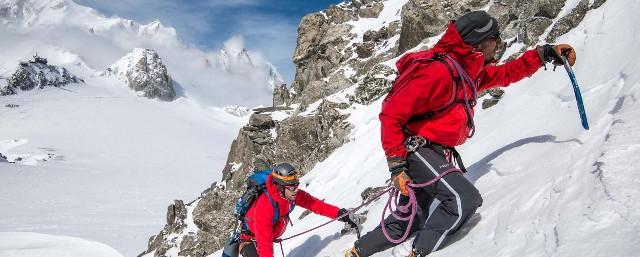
207 24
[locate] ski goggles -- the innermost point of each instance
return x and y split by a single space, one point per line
291 187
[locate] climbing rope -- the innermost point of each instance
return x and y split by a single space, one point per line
408 211
404 213
376 197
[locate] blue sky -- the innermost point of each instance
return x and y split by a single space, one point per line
268 27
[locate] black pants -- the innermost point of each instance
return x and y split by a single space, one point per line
248 249
459 200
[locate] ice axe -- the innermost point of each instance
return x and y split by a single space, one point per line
576 90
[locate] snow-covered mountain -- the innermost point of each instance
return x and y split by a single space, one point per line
94 160
37 73
236 59
87 42
98 163
144 72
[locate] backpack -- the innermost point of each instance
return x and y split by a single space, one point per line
256 185
460 80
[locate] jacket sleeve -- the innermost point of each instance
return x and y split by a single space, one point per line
307 201
263 215
427 88
510 72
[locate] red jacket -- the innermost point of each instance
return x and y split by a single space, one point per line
431 87
260 215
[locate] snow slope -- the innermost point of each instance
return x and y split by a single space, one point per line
550 188
38 245
95 161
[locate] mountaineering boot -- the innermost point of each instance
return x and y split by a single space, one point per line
352 253
416 253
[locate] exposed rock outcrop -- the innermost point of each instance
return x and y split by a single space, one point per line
37 74
426 18
327 45
300 139
375 84
144 72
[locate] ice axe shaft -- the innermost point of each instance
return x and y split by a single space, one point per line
576 91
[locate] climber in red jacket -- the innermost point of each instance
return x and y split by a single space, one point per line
429 111
266 220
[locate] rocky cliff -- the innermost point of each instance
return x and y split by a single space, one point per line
37 73
344 56
143 71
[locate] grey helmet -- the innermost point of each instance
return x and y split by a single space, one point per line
285 174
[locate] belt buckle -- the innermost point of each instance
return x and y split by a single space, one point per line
412 143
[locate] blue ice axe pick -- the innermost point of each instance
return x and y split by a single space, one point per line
576 90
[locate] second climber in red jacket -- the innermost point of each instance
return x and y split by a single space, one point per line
429 111
266 220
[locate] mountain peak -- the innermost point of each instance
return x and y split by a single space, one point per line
143 71
156 28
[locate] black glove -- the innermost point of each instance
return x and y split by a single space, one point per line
397 164
347 218
553 53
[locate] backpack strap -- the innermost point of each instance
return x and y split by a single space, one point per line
403 77
456 83
276 210
461 78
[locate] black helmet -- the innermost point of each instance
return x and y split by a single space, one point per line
285 174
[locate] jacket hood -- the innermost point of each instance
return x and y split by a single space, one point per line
452 44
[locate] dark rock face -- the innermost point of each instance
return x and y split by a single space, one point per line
144 72
176 215
30 75
325 46
376 36
375 84
427 18
525 20
495 93
365 50
281 95
371 10
300 140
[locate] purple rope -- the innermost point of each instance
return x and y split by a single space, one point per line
465 76
404 209
474 93
393 197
